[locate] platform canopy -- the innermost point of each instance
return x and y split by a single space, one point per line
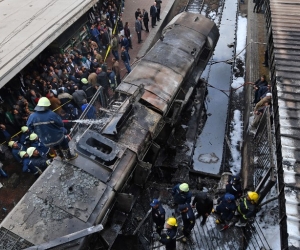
27 27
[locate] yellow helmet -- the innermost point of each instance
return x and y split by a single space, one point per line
22 153
43 104
11 143
253 196
33 136
184 187
172 222
24 129
30 151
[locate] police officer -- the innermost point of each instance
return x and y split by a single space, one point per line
226 208
247 208
50 129
158 215
188 219
168 237
181 194
204 205
234 186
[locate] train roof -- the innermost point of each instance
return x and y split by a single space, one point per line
284 30
29 26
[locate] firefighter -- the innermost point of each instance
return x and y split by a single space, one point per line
36 160
234 186
204 205
27 167
188 219
16 148
226 208
24 138
247 208
168 236
37 143
158 215
50 129
181 194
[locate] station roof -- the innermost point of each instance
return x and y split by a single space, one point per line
27 27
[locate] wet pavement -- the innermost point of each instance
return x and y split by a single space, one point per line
209 146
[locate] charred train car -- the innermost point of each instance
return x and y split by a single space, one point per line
117 149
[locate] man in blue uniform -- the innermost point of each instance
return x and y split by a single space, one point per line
234 186
49 128
226 208
168 237
24 138
158 215
37 143
181 194
27 167
16 148
36 160
188 219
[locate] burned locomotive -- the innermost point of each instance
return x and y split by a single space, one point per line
117 149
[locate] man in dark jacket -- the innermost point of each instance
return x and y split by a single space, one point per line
138 29
102 80
126 59
234 186
188 219
124 42
226 208
49 128
204 205
146 20
88 89
153 14
247 208
158 215
78 96
259 83
158 6
181 194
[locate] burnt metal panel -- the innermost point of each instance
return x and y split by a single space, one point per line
159 80
173 57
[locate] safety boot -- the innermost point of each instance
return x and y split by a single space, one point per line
69 156
60 153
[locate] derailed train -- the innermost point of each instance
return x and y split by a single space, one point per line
117 149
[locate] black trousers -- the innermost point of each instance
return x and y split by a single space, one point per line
158 14
153 21
146 25
139 35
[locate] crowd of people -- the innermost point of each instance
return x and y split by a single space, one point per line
69 80
230 204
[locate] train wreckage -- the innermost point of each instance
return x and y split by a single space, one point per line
119 148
